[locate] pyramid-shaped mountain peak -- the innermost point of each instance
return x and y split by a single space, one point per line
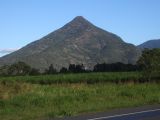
80 19
79 22
77 42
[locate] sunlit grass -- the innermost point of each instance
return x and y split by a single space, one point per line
35 101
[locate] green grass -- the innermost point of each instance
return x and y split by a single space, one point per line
90 78
26 101
49 96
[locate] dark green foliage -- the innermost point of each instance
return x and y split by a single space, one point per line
22 68
51 70
115 67
63 70
150 63
76 68
4 70
19 68
34 71
72 67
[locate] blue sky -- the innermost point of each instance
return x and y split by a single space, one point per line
24 21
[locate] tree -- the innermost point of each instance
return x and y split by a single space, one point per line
51 70
4 70
34 71
79 68
76 68
150 63
63 70
72 68
114 67
19 68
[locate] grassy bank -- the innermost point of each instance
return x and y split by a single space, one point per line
26 101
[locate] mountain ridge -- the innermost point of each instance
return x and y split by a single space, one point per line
77 42
150 44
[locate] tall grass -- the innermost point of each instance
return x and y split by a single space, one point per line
50 101
50 96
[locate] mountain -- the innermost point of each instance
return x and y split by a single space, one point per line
150 44
77 42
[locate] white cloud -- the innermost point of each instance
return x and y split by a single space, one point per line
6 51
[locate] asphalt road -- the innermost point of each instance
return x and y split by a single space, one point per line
138 113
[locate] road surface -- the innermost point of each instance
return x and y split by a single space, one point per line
138 113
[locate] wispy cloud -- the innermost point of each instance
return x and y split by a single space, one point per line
6 51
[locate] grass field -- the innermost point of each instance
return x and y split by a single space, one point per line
90 78
26 101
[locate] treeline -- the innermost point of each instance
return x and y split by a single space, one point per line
21 68
148 63
115 67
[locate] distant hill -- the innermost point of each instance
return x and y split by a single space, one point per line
77 42
150 44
